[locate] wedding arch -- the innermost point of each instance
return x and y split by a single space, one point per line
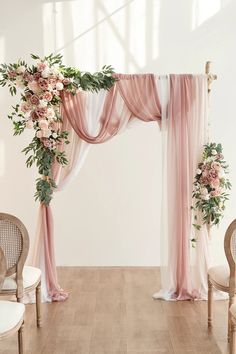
70 110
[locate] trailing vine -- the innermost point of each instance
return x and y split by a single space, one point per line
40 86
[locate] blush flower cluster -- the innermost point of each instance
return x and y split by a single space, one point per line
210 186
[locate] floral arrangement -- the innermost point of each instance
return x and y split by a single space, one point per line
210 187
39 109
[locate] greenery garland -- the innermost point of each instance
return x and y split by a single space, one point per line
41 86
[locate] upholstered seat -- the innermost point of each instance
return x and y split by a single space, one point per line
31 276
19 279
11 314
220 275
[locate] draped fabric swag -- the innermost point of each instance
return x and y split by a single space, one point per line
178 103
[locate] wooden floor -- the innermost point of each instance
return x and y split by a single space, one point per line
111 311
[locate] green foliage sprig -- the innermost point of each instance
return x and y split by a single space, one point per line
41 85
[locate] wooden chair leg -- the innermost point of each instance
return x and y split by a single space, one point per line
209 302
20 339
232 338
38 305
231 301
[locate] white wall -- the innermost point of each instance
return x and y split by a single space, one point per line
111 214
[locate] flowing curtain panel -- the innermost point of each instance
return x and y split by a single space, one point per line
92 118
184 132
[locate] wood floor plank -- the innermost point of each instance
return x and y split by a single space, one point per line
110 311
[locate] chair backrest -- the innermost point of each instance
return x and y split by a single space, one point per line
14 241
230 251
3 267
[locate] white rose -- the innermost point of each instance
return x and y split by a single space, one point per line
50 113
59 86
199 171
213 152
206 197
61 77
204 191
221 173
43 103
27 115
54 135
45 73
19 82
29 124
21 69
46 133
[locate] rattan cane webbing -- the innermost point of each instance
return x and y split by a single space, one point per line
11 242
233 245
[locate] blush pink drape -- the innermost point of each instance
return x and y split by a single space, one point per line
137 96
133 96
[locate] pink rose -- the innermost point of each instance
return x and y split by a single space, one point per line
66 81
213 173
216 166
216 192
29 124
33 86
43 124
39 134
214 182
12 74
55 126
34 100
41 112
47 96
41 66
25 107
46 142
43 84
27 76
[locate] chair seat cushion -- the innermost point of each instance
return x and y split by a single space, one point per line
31 275
233 310
220 274
11 314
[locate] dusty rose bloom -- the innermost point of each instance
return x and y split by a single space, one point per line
25 107
55 126
41 112
28 95
46 142
41 66
34 100
43 84
37 76
214 182
213 173
66 81
27 76
12 74
47 96
216 166
33 116
216 192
